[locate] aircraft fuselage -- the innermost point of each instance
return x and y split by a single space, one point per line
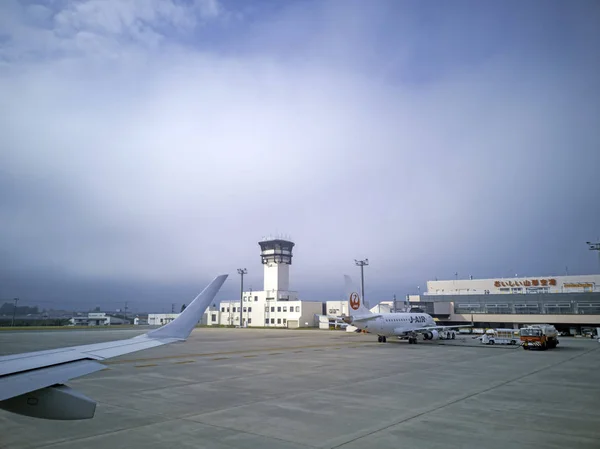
395 324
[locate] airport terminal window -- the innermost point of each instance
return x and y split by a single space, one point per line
222 309
272 309
285 309
279 309
297 308
278 320
233 309
249 320
249 309
560 308
214 317
245 309
266 308
284 321
272 320
588 308
256 299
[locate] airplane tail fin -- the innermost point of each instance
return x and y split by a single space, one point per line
182 326
356 305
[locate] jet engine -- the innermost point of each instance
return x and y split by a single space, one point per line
431 335
56 402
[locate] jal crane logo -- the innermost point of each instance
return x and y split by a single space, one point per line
354 301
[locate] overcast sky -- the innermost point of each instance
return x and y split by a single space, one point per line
147 145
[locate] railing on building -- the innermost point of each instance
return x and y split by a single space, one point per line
564 308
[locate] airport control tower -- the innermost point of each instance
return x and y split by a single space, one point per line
276 256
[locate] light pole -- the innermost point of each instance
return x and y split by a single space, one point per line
14 311
361 264
594 247
241 272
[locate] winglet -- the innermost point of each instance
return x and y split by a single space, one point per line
182 326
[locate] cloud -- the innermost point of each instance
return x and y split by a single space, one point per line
98 27
134 19
131 155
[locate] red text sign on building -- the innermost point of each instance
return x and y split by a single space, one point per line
526 283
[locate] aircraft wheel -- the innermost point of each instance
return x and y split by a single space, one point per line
410 341
379 338
453 336
384 338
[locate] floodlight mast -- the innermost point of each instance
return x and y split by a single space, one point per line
361 264
241 272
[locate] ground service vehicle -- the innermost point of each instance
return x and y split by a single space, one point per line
541 336
447 334
500 337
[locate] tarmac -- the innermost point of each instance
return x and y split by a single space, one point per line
255 388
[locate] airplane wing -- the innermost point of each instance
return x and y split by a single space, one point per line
31 384
429 328
366 317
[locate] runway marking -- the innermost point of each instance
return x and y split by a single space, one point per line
275 353
185 361
220 358
145 366
353 344
248 356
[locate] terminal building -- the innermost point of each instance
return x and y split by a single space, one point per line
569 302
276 305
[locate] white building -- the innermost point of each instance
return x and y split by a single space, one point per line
276 305
336 308
140 320
97 319
159 319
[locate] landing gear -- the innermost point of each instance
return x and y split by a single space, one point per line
381 339
412 340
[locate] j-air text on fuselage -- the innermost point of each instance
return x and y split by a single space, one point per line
402 325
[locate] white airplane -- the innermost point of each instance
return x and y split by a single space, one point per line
401 324
32 383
